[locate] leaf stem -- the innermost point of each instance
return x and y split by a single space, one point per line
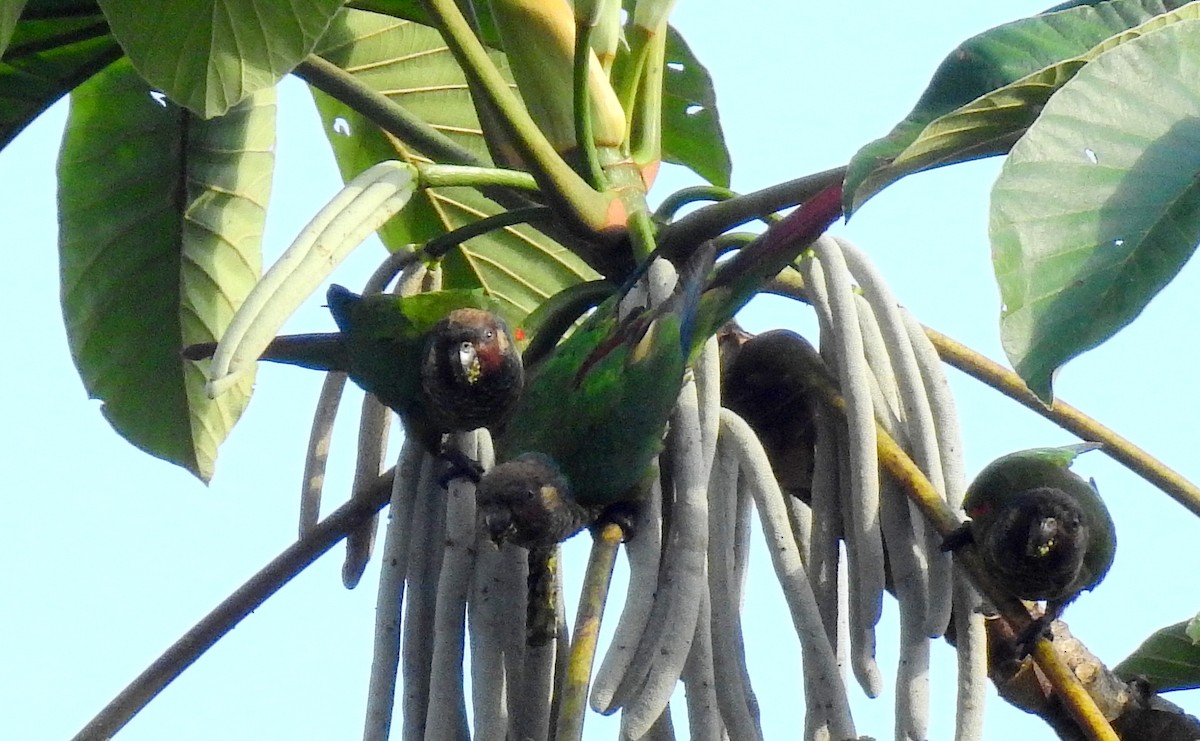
671 204
385 112
1069 418
588 209
440 245
712 221
596 582
248 597
585 135
471 176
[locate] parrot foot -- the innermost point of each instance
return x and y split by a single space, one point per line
957 539
458 464
622 514
1040 627
1036 630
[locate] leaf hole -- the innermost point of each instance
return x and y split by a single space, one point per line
1118 242
693 109
159 97
1091 155
341 126
675 66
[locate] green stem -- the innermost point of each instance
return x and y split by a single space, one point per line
585 135
450 176
568 192
630 82
641 233
225 617
645 128
733 241
439 246
711 221
671 204
385 112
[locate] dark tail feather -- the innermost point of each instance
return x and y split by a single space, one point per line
199 351
692 282
324 351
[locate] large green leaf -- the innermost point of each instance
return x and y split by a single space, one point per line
208 55
986 63
410 64
691 134
53 48
1168 660
1098 205
10 11
161 218
691 128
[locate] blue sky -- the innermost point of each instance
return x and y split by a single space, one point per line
110 555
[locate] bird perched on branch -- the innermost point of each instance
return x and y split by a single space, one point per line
444 361
1042 531
598 404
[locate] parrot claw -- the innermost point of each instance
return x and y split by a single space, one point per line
458 465
1039 628
622 514
957 539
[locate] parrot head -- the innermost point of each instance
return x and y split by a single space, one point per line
471 374
1036 542
527 502
1042 530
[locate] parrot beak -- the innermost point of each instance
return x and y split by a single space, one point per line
468 361
496 523
1043 535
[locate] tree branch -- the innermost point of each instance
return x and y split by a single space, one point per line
788 283
716 219
248 597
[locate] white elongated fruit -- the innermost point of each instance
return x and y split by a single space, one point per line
361 207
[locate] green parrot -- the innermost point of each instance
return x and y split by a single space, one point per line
764 384
444 361
1042 531
597 405
528 500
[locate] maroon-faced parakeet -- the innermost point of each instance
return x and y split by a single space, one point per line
1042 531
528 501
443 361
764 384
597 405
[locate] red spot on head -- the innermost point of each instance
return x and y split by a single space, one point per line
980 509
519 334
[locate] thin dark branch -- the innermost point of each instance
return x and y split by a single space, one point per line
711 221
248 597
384 112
